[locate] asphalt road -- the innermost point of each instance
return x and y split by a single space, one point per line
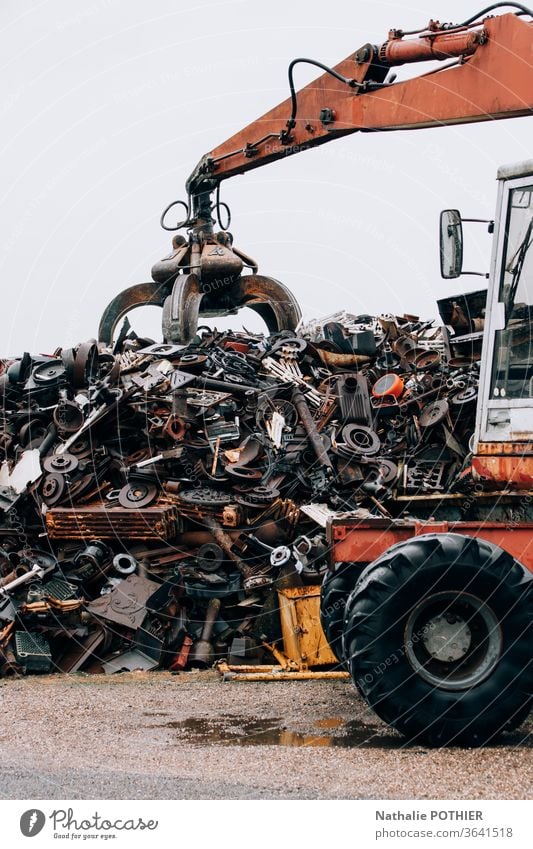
154 735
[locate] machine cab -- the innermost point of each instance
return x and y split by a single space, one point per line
503 446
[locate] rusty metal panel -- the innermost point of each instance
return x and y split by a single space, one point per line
126 605
507 448
515 472
98 522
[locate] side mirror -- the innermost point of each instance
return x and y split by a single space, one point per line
451 243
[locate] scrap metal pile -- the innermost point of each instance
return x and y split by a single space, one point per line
153 497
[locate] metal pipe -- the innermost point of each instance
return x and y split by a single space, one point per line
36 571
311 429
191 539
213 609
282 676
226 544
225 386
49 439
202 652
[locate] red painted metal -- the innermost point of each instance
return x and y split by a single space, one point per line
398 51
506 470
361 542
495 82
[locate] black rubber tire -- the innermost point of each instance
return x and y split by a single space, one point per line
336 587
520 716
378 610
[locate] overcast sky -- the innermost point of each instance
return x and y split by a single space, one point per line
107 105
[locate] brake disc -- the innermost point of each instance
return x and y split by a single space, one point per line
60 463
83 447
52 489
137 494
465 396
433 413
192 361
383 470
138 456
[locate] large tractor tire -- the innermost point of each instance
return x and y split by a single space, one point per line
336 587
437 638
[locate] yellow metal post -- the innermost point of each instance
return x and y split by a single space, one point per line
304 644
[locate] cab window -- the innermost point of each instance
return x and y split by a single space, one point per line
512 372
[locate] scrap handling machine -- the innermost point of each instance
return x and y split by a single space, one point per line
430 613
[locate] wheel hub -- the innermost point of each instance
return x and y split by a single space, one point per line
447 637
453 640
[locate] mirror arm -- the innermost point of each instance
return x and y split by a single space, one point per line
488 221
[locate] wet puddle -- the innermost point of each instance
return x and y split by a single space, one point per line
243 731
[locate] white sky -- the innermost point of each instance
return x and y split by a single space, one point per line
106 107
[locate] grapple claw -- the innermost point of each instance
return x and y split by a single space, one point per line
271 299
139 295
202 277
181 310
191 299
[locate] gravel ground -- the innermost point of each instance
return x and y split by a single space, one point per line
159 736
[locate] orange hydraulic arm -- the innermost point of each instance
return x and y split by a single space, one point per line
491 78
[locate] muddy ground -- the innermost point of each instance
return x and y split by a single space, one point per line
162 736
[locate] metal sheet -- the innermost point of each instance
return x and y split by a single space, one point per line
126 604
